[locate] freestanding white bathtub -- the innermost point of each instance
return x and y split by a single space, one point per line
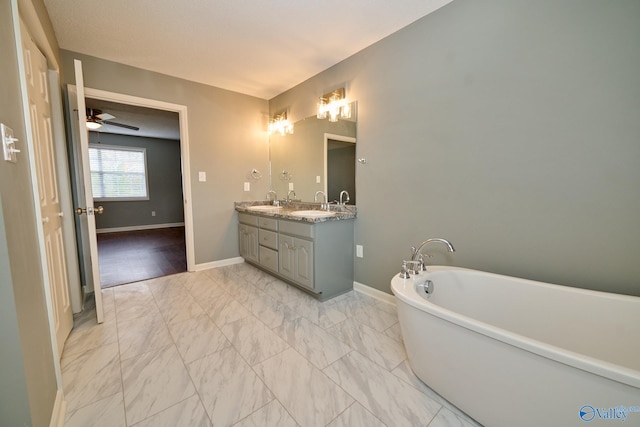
515 352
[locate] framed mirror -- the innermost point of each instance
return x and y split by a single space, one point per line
319 155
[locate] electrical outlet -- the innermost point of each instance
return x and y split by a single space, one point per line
202 176
317 179
247 186
291 186
359 251
153 213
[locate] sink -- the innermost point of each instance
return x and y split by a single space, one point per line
264 208
312 213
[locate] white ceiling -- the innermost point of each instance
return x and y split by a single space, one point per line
256 47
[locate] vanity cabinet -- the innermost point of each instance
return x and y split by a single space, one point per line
248 239
296 260
268 243
317 257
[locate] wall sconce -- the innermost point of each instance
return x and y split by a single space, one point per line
334 105
280 123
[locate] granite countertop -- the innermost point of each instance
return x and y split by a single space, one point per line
341 212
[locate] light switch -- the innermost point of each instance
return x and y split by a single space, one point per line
9 144
247 186
359 251
291 186
317 179
202 176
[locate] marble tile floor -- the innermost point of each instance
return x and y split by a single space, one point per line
233 346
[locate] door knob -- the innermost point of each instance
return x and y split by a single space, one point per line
90 211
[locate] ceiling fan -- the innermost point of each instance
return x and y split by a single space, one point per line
96 118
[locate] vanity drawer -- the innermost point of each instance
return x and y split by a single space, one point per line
244 218
268 258
297 229
268 223
268 238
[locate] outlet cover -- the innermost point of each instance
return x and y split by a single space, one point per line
359 251
291 186
202 176
317 179
247 186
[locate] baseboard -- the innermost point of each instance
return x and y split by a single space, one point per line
59 411
216 264
139 227
374 293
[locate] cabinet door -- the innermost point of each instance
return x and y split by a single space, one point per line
248 239
303 272
286 256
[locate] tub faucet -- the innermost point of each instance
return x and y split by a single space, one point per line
417 256
344 193
324 205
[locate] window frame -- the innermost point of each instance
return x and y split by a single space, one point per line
142 150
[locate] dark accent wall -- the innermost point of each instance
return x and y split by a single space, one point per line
164 179
341 173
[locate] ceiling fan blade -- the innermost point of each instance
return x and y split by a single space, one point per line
105 116
107 122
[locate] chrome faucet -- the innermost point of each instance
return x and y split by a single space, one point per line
417 256
289 195
345 193
324 205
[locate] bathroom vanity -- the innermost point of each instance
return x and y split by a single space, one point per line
302 247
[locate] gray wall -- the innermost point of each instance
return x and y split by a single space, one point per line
227 139
28 398
164 177
510 128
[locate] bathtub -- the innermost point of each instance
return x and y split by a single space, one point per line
515 352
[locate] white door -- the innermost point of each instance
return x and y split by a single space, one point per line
88 207
51 210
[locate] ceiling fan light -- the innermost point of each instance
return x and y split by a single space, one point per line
93 125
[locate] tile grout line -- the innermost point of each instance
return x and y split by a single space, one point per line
184 363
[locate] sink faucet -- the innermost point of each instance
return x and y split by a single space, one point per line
275 197
324 205
417 256
289 195
344 193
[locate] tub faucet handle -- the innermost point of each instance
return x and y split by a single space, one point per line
421 265
404 274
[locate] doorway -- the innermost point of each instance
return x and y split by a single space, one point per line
181 159
136 172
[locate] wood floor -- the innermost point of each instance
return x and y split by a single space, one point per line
133 256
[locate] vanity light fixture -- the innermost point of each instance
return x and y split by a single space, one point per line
334 105
280 123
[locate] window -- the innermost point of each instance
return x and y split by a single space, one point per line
118 173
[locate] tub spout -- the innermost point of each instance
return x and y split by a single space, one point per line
416 252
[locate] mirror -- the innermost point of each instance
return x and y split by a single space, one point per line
319 155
